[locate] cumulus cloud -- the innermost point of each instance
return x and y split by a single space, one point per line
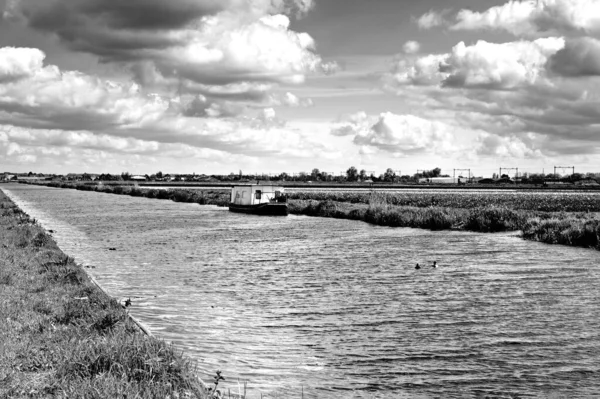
205 41
432 19
396 134
493 145
19 63
419 71
539 17
501 66
411 47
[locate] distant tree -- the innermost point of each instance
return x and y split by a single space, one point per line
362 175
315 174
159 175
352 174
505 176
126 176
389 175
30 174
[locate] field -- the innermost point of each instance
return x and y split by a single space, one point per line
518 200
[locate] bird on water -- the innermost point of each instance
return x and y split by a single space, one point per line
417 266
434 264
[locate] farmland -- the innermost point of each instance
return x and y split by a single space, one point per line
548 201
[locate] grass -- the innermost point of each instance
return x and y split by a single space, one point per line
61 336
202 197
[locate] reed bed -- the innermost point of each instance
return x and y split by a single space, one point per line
61 336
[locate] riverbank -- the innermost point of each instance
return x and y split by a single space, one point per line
540 216
61 336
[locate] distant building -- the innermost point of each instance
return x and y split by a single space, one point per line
443 180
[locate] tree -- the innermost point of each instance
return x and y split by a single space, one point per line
363 175
159 175
315 174
126 176
389 175
352 174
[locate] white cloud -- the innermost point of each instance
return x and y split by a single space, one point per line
19 63
411 47
539 17
502 66
432 19
492 145
396 134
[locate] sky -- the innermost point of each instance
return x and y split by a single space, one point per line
271 86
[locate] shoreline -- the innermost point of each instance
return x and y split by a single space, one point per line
573 228
63 335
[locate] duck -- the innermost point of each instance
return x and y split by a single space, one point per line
417 266
434 264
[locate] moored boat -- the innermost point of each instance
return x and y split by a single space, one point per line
259 199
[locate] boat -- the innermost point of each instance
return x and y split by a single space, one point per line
259 199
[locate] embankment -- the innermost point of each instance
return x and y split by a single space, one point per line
61 336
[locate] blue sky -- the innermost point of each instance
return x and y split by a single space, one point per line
213 86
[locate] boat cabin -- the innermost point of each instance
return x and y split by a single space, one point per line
255 194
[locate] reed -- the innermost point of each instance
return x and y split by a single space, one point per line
574 230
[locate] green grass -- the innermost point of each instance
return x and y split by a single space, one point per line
61 336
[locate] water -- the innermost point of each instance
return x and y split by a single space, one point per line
335 307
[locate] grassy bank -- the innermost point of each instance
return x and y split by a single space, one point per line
61 336
219 197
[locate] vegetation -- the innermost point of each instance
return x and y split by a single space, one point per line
61 336
202 197
531 201
553 217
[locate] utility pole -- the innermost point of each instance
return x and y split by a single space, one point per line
509 169
462 170
563 168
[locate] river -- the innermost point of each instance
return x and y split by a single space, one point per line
333 308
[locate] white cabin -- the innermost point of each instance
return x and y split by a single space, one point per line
255 194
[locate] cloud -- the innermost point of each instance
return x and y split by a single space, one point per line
411 47
205 41
580 57
497 66
496 146
19 63
418 71
432 19
540 17
397 134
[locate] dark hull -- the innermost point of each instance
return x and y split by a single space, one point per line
272 208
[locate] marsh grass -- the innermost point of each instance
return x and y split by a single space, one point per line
62 337
581 230
574 229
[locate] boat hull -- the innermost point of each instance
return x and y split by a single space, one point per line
271 208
